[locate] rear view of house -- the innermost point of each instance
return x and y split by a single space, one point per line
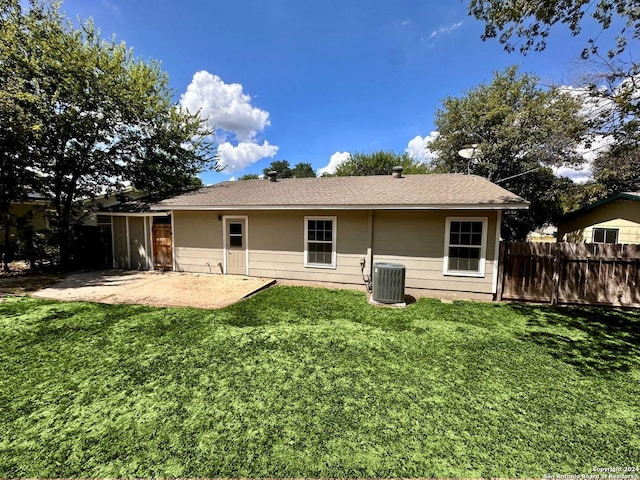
444 228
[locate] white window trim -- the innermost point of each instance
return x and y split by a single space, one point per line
334 235
593 235
483 248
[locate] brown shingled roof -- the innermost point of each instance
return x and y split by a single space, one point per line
430 191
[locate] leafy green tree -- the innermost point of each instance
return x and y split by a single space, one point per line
614 72
618 170
282 167
577 195
379 163
303 170
19 126
104 117
532 21
249 176
518 131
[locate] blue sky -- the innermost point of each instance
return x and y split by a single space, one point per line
308 81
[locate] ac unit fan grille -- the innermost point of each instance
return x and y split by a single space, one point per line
388 283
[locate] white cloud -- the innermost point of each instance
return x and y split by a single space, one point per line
335 160
444 30
592 108
417 147
237 123
237 157
578 175
225 106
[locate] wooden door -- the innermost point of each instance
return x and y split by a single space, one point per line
162 251
236 245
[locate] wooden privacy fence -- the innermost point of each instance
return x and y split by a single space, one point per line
595 274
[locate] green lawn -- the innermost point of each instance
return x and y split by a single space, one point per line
302 382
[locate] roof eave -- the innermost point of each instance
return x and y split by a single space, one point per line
476 206
587 208
156 213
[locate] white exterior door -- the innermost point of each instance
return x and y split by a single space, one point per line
236 245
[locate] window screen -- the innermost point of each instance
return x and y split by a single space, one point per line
465 246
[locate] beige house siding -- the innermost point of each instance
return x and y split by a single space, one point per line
417 240
276 245
197 238
622 215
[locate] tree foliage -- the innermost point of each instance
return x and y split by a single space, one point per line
104 119
303 170
282 167
519 131
284 170
19 126
614 79
531 22
379 163
249 176
618 170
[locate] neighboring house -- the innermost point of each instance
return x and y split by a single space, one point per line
33 215
616 219
443 228
30 212
33 210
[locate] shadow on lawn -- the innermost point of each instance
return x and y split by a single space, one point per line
609 338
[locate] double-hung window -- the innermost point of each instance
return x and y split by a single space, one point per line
465 246
320 242
605 235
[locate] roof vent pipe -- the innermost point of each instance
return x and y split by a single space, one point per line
273 176
397 171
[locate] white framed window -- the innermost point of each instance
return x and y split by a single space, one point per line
465 246
605 235
320 242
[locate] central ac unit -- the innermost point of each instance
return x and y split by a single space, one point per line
388 283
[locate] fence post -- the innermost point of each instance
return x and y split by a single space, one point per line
556 274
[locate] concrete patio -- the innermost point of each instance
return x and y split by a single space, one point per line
163 289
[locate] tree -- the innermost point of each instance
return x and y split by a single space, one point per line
282 167
577 195
249 176
518 131
303 170
618 170
614 79
379 163
532 21
19 127
106 119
